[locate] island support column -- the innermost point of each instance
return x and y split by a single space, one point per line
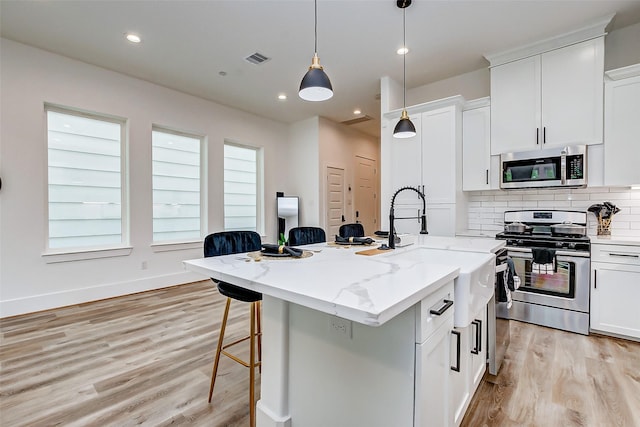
273 406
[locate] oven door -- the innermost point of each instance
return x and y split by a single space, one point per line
566 288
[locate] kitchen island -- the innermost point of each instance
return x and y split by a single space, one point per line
348 339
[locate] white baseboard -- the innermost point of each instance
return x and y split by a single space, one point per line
77 296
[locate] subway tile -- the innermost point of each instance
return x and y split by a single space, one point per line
539 197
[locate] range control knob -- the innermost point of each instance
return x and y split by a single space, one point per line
558 244
572 245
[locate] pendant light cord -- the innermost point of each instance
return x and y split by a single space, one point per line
315 4
404 58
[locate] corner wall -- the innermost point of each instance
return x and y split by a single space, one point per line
29 78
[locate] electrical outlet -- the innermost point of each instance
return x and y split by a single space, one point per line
340 326
144 265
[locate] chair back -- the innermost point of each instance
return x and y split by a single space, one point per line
231 242
306 236
351 230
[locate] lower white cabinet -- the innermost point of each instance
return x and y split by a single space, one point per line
433 373
468 364
615 290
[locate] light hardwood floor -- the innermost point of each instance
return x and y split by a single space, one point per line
146 359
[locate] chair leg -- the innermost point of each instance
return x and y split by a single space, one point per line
252 366
258 319
219 349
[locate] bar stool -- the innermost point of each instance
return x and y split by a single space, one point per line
351 230
226 243
306 236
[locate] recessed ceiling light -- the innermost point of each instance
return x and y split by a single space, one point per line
222 73
282 97
403 50
133 38
357 111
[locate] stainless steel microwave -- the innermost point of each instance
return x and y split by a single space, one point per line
551 167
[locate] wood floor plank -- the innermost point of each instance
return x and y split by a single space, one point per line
146 359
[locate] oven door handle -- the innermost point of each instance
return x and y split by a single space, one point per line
581 254
501 267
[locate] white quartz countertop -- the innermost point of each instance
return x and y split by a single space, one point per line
461 243
367 289
615 240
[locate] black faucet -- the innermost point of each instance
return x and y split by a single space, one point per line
423 217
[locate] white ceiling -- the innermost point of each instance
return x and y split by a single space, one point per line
186 44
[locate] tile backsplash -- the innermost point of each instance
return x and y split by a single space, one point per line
486 208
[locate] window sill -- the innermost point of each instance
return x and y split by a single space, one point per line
176 246
69 256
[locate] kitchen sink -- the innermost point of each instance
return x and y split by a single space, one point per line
474 286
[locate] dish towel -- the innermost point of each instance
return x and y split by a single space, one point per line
544 261
282 249
361 240
511 281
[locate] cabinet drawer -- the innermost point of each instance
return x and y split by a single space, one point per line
617 254
428 318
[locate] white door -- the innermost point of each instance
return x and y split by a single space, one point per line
406 165
439 146
365 194
335 201
476 149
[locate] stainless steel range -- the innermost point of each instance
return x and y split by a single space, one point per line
551 255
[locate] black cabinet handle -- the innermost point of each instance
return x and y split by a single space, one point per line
487 176
537 136
477 348
544 135
457 367
595 279
624 255
445 306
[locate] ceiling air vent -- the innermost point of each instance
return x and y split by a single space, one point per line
364 118
256 58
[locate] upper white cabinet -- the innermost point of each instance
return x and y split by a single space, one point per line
550 93
622 127
548 100
479 171
430 161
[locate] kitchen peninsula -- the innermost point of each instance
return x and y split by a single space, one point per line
350 339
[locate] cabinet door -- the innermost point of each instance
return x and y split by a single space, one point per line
442 219
515 106
459 394
476 149
572 94
406 167
614 299
432 380
622 127
478 348
439 145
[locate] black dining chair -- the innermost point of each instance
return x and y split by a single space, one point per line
351 230
306 236
227 243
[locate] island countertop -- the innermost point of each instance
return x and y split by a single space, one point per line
366 289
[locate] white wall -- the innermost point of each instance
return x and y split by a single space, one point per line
486 208
303 167
622 47
31 77
471 85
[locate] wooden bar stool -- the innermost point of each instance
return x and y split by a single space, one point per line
226 243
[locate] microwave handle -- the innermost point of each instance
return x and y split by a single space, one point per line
563 169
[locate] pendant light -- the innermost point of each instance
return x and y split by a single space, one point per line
315 85
404 128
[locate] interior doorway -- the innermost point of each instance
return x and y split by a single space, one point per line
365 196
335 201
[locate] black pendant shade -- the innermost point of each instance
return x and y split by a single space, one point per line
315 85
404 128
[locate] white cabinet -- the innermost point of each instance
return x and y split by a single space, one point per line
479 170
554 98
468 364
478 348
430 161
622 127
615 290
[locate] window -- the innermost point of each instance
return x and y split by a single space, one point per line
176 186
85 180
242 192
